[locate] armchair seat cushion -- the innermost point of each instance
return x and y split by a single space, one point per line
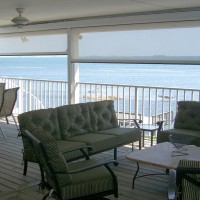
85 183
180 135
124 135
99 142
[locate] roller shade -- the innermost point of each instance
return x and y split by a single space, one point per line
164 45
36 43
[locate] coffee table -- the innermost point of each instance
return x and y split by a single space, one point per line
163 155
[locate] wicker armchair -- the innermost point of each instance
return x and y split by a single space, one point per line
85 179
2 88
188 180
9 100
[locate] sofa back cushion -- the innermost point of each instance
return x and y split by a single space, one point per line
102 115
74 120
188 115
45 119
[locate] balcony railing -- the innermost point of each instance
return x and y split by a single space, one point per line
37 94
147 103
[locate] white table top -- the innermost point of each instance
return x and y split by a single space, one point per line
160 155
148 127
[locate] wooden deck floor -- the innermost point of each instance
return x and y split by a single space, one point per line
15 186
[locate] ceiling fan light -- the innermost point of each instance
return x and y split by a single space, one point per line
20 21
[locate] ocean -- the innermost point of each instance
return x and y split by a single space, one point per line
55 68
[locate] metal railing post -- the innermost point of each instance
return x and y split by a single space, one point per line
136 102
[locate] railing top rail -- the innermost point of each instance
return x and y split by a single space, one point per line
104 84
139 86
31 79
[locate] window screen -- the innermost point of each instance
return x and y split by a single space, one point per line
166 44
45 42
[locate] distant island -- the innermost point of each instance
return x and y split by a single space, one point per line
141 59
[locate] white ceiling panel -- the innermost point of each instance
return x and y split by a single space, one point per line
48 10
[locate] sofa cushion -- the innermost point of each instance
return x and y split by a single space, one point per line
124 135
102 115
188 115
99 142
74 120
45 119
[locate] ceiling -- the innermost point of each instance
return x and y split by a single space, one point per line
38 11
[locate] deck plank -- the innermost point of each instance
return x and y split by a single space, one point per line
15 186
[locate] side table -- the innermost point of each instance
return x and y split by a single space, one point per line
149 128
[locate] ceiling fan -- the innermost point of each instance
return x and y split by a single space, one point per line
20 21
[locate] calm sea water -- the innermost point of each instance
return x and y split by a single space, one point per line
54 68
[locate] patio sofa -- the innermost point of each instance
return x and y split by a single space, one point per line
186 125
75 126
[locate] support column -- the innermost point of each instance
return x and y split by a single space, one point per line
73 69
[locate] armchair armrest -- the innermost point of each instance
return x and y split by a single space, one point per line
186 170
136 122
160 125
88 168
89 148
189 171
78 148
188 167
188 164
